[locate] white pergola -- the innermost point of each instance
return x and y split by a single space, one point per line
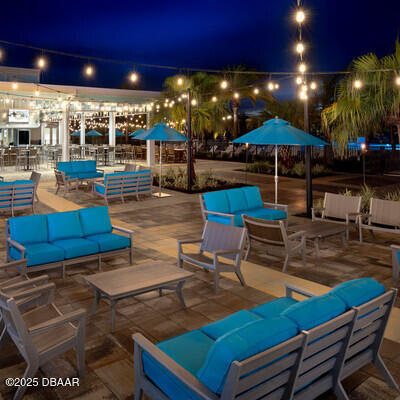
57 103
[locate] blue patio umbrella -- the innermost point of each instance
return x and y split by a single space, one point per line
279 132
117 133
162 133
134 134
76 133
93 133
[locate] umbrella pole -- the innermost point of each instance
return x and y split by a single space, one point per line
276 174
160 167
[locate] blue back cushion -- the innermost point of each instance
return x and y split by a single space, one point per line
29 229
253 197
273 308
64 225
225 325
217 201
314 311
237 200
89 166
64 166
240 344
77 166
358 291
95 220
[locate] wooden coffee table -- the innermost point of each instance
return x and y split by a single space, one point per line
131 281
317 231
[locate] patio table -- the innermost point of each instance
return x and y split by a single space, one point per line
317 231
131 281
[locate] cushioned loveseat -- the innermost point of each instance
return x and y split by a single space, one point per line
65 238
228 206
79 169
282 349
124 184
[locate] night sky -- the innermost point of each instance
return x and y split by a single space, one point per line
207 33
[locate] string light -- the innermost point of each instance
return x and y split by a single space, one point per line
15 85
300 47
236 95
194 102
276 86
37 92
224 84
313 85
256 91
133 77
300 16
357 84
302 68
89 70
179 81
299 81
214 99
270 86
303 95
397 80
41 62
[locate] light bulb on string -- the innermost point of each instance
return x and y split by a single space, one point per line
270 86
300 16
15 85
236 95
299 81
276 86
224 84
89 70
41 62
194 102
302 68
304 88
214 99
313 86
256 91
397 80
303 95
179 81
37 92
300 47
357 84
133 77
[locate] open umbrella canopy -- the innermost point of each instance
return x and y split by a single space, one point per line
76 133
117 133
93 133
138 132
279 132
163 133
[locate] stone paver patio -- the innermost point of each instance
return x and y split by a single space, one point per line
157 224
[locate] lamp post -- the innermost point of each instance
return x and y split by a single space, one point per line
363 151
247 154
189 143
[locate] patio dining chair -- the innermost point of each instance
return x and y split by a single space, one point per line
220 250
43 332
271 237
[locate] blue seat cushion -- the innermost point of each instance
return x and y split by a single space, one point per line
77 247
29 229
219 328
266 213
314 311
237 200
241 343
110 241
95 220
358 291
217 201
220 219
39 253
64 225
253 197
188 350
89 175
274 308
72 175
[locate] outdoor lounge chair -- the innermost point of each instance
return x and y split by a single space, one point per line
43 332
236 358
339 208
218 242
271 237
383 216
66 183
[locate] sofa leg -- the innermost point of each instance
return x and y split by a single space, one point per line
63 270
340 392
380 365
99 262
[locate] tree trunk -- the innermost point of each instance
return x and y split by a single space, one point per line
192 170
235 109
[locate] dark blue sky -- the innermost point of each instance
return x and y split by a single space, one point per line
207 33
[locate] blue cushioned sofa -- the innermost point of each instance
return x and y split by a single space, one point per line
228 206
17 195
60 239
287 348
124 184
81 170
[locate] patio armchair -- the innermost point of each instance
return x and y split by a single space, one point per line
271 237
66 183
395 263
340 209
35 177
43 332
220 250
383 216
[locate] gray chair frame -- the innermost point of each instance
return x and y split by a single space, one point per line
29 330
71 261
63 182
324 356
339 209
205 212
395 264
271 237
220 241
16 197
35 176
383 216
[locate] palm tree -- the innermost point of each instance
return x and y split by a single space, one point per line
365 110
243 85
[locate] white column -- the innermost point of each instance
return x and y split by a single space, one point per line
42 135
59 132
65 134
111 129
83 130
150 145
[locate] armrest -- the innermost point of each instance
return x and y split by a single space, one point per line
47 288
276 205
78 315
188 241
231 216
15 264
185 377
290 289
223 252
395 247
40 280
296 235
352 214
16 244
120 229
318 209
100 170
